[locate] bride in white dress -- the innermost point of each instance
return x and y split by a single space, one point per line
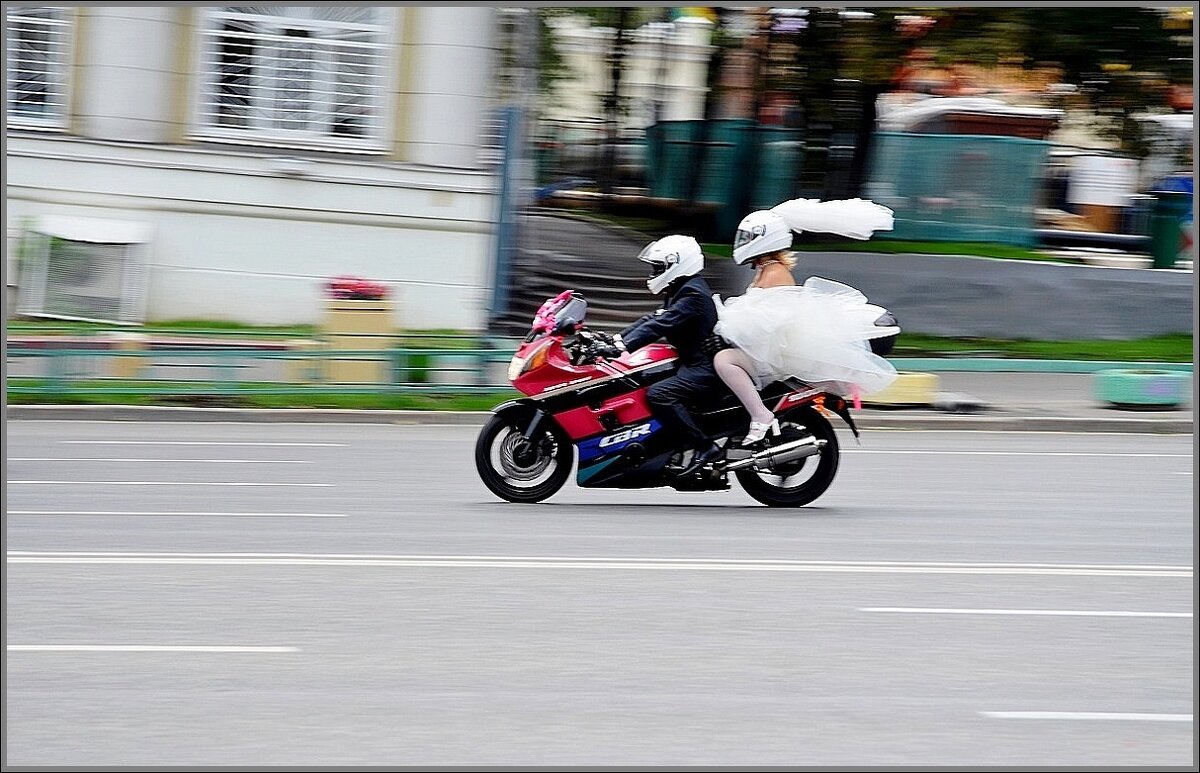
819 331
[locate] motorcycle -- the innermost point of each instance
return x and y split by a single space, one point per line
576 398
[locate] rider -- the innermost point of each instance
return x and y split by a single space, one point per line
686 319
823 331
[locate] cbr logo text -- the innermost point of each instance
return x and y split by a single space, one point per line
629 434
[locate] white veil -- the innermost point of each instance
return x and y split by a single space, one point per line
855 218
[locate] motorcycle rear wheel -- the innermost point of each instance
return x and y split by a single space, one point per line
518 470
788 486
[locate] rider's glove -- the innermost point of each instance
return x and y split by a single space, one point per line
606 350
604 345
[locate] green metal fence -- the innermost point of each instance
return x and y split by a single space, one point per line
946 187
100 362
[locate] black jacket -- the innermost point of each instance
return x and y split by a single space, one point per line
685 320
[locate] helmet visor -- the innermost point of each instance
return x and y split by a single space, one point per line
656 266
744 237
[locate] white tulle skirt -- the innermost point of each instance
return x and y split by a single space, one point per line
818 332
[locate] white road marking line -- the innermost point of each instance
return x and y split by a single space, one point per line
580 562
483 415
1050 612
149 483
143 648
1101 715
181 514
195 443
1012 453
900 430
140 461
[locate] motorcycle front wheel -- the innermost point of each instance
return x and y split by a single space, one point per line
795 484
520 470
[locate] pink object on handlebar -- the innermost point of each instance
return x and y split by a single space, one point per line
543 321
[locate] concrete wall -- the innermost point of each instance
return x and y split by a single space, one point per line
242 237
933 294
966 296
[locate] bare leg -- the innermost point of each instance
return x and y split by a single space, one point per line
735 368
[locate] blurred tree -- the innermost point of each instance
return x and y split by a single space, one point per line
1083 39
550 65
620 18
1122 56
874 52
603 15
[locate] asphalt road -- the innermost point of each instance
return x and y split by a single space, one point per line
340 595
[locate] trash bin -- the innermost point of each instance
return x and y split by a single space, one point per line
1171 228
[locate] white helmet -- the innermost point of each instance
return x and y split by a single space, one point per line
670 258
758 234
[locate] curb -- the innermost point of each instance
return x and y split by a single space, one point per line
240 415
1015 365
1027 423
916 420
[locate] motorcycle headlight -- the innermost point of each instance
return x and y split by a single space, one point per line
531 361
516 367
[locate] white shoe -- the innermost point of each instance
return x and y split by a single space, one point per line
758 431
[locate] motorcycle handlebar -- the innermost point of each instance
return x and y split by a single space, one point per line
590 345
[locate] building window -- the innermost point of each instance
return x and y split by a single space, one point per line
296 77
37 42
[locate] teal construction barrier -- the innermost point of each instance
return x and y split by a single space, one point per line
732 163
958 187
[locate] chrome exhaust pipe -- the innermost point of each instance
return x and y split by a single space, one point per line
780 454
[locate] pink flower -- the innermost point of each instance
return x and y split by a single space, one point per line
355 288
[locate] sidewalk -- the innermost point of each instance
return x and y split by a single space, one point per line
1051 402
1029 401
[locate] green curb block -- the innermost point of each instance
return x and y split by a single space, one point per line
1142 387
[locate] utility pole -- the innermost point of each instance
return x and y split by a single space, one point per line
527 101
517 174
612 108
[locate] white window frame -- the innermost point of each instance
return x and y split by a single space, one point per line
263 113
58 68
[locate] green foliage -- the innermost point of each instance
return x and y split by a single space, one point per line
418 338
188 396
1122 57
1169 348
607 15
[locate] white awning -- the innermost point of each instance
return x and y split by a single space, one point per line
95 230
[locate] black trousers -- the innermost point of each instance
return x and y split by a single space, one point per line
668 400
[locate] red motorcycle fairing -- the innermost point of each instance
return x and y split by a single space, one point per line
558 374
625 407
585 421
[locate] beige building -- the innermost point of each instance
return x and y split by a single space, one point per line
223 163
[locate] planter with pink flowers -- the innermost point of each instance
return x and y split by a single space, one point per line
358 321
